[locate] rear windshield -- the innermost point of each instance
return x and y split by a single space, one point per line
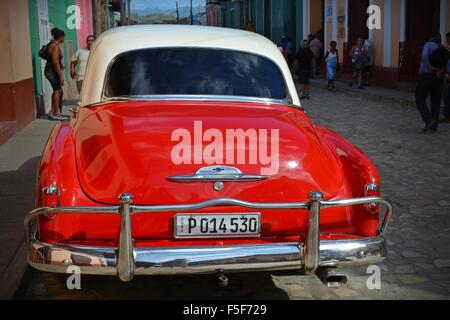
192 71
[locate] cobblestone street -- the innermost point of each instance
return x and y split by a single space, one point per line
415 175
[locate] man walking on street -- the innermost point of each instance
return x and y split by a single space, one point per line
447 91
302 67
430 82
79 62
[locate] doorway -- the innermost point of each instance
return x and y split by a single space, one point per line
356 26
422 20
44 38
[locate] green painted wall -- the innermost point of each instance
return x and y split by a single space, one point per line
229 14
259 15
58 18
286 18
34 38
299 23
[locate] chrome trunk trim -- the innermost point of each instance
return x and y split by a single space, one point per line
217 174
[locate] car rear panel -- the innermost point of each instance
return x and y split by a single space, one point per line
127 147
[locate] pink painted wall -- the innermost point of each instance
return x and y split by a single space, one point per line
86 22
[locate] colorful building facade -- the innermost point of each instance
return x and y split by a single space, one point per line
45 15
272 18
24 28
17 107
405 25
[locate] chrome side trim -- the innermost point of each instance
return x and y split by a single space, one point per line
202 260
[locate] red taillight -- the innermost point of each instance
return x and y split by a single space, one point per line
50 198
371 190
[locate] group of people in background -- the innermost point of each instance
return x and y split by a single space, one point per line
54 69
433 74
308 60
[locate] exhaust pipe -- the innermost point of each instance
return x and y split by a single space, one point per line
331 277
223 279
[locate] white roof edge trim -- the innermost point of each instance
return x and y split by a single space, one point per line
119 40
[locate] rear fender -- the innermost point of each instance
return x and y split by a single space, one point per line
360 172
58 168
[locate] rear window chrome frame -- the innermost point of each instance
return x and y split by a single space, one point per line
202 98
286 101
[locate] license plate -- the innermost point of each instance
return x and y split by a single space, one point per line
191 225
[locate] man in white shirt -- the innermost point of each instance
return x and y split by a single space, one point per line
79 62
316 47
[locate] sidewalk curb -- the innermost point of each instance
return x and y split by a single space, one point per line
11 278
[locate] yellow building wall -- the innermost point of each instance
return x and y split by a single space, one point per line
378 37
395 23
5 53
328 25
447 15
15 55
341 27
316 18
20 40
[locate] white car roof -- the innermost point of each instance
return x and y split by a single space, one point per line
121 39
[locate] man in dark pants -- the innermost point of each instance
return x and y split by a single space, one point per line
447 91
430 82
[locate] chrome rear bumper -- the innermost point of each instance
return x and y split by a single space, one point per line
192 260
127 260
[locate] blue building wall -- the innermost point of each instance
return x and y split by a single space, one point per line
272 18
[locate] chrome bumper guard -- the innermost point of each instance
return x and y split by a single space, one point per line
127 261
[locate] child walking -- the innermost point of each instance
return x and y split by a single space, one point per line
332 59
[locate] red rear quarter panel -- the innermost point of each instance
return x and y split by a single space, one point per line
351 171
359 171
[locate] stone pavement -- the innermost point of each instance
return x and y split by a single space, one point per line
19 158
414 169
415 174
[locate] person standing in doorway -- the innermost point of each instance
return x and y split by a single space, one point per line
359 62
302 65
369 57
317 48
430 82
79 62
55 74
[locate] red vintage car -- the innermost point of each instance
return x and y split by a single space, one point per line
188 153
